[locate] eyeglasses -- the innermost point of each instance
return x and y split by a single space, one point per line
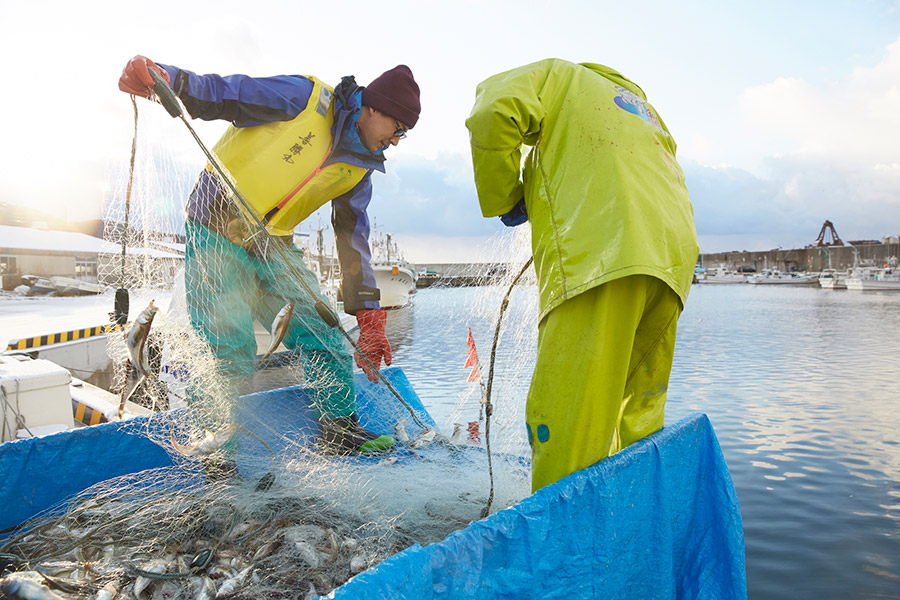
401 130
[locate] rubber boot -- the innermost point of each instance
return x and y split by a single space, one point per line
344 435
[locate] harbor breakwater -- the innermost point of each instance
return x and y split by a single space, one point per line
811 259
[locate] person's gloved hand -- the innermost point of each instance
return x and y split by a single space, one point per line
372 341
136 78
516 216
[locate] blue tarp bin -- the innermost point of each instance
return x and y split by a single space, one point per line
659 519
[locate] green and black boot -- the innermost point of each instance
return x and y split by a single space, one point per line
344 435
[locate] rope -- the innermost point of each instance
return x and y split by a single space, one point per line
128 190
488 407
20 420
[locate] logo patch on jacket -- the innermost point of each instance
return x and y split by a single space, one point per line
324 102
631 102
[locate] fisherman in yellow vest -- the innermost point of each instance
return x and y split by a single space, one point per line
614 249
294 144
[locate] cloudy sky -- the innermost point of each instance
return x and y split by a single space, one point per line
786 112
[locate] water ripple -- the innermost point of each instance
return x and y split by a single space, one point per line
801 388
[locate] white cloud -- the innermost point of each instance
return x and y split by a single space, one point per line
792 187
856 119
700 148
832 153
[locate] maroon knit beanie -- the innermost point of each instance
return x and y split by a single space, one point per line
396 94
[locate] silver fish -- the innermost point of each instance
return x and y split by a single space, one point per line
457 437
400 431
136 342
107 592
279 327
210 443
21 588
137 339
141 583
204 587
231 584
332 547
358 564
423 438
265 550
57 568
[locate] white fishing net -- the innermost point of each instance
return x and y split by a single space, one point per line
294 521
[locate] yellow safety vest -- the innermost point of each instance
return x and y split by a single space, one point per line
278 167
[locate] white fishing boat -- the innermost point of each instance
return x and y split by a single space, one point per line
396 283
719 275
831 279
38 285
67 286
61 286
395 278
775 277
874 279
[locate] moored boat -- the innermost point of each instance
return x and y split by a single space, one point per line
396 282
779 278
39 285
67 286
830 279
395 278
719 276
873 279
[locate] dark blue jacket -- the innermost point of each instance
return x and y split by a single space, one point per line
249 101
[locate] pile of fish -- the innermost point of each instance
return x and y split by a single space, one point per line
177 546
172 533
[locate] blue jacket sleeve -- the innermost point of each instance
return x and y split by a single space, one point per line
243 100
351 232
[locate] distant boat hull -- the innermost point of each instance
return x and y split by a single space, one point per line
395 283
855 283
832 283
783 281
66 286
721 279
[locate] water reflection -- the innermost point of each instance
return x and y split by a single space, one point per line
800 384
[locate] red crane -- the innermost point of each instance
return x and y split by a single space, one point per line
835 238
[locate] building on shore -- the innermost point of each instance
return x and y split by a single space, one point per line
26 251
810 259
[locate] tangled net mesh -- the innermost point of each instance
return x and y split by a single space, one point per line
295 522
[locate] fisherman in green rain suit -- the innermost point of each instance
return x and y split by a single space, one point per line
614 249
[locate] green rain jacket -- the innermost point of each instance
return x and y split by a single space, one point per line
604 194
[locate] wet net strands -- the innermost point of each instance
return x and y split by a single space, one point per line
313 520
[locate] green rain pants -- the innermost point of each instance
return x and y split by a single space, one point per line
227 288
602 372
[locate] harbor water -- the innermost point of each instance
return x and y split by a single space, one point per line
800 384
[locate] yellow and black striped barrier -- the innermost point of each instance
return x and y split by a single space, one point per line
87 415
65 336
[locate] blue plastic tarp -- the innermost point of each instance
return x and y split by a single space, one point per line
40 473
658 520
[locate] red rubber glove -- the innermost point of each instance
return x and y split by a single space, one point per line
136 78
372 341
